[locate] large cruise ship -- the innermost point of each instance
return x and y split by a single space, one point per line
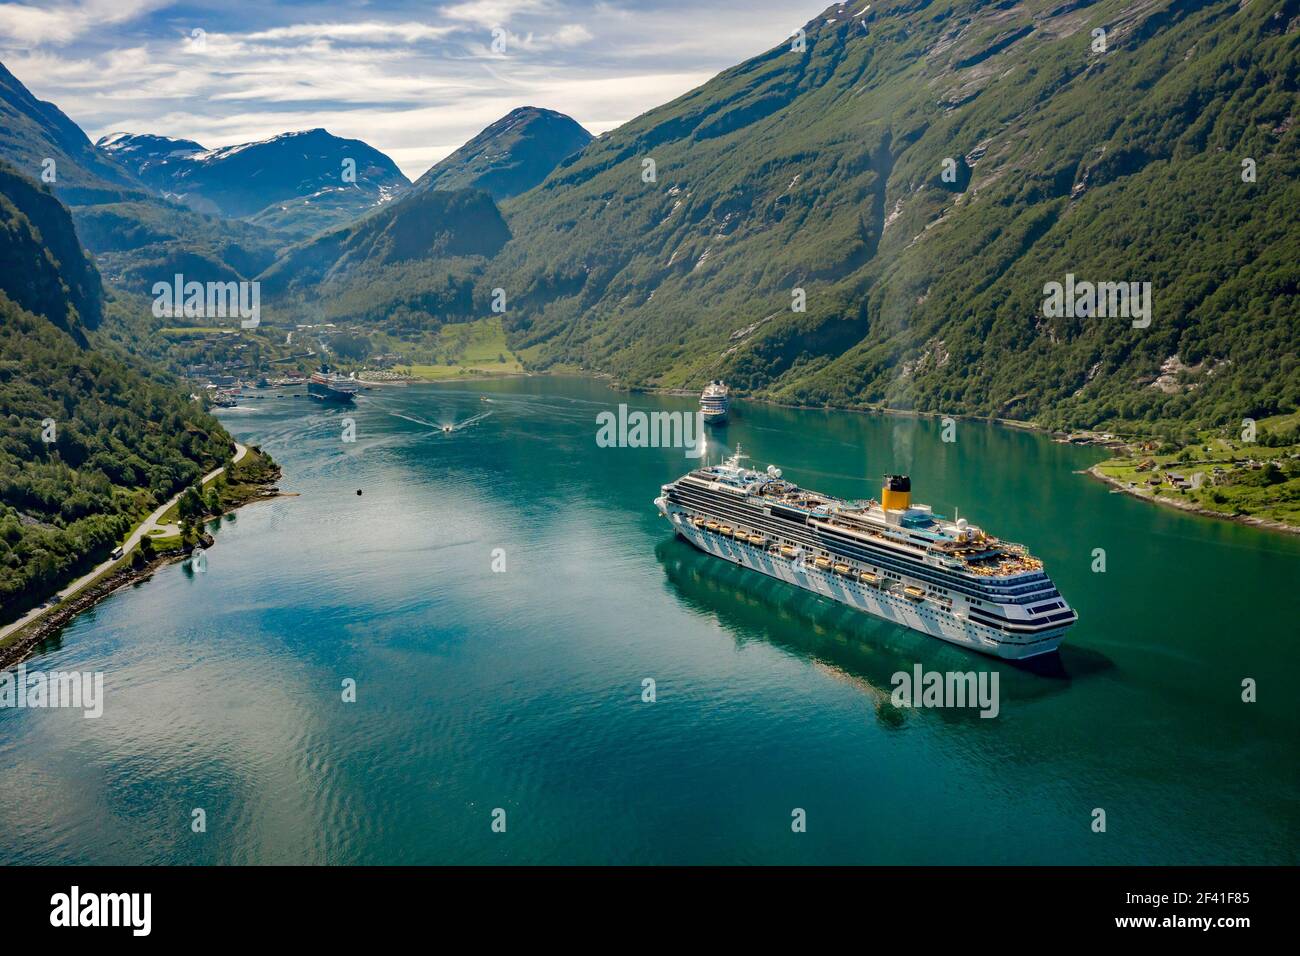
715 402
331 386
890 558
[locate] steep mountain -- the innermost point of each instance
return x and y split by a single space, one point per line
88 443
511 156
421 254
32 132
139 243
298 183
43 268
138 236
153 159
870 214
820 166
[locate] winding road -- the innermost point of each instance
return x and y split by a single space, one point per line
147 526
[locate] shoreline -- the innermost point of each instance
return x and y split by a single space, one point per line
473 376
48 626
1266 524
1095 441
1251 521
1052 433
30 637
1061 437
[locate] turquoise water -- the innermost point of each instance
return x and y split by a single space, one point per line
521 689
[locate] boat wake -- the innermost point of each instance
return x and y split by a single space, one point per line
446 428
418 421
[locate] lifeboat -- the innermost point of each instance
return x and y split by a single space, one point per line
915 593
822 564
843 569
789 550
866 577
711 525
725 531
757 539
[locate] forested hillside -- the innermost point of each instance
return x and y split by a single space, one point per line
46 270
88 444
410 264
869 214
822 169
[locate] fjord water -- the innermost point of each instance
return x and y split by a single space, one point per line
522 689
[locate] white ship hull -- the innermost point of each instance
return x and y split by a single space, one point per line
715 403
925 616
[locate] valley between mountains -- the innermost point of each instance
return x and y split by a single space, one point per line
866 215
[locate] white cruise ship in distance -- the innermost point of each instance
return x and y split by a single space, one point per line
715 402
330 386
890 558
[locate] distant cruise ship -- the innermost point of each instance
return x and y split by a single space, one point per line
890 558
331 386
714 403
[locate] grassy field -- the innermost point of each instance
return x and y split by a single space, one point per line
247 478
1225 475
473 348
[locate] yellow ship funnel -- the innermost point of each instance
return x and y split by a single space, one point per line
896 495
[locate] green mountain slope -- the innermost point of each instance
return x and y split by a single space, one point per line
139 237
33 131
123 440
913 174
46 271
414 261
511 156
823 170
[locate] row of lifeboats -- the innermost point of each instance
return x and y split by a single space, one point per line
727 531
821 562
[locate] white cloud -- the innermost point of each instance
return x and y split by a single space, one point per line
31 25
368 31
415 87
64 22
492 12
571 34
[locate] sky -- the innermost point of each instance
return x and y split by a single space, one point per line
413 79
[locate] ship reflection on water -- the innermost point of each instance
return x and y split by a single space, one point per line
842 642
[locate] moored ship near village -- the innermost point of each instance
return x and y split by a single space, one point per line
890 558
331 386
715 402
